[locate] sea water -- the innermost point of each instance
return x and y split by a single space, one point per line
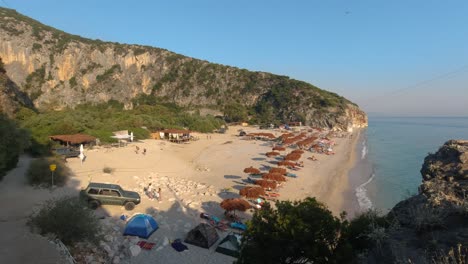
390 154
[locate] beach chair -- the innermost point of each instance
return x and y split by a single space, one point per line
214 221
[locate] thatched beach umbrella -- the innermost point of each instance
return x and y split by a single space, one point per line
292 156
252 192
297 151
278 148
274 177
286 163
272 154
233 204
252 170
266 184
278 170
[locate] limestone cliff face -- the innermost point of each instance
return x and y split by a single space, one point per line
435 220
60 70
11 98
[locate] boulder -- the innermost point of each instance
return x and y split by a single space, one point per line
134 250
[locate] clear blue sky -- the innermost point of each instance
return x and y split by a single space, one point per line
400 57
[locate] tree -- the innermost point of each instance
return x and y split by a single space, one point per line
235 112
12 142
295 232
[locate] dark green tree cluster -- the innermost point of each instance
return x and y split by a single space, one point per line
13 141
305 232
100 120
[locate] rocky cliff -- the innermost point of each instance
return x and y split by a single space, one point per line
11 98
60 70
432 226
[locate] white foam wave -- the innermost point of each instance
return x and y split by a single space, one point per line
364 150
361 193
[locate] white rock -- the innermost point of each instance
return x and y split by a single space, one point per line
108 238
134 250
166 241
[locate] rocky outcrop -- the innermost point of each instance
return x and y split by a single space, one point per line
432 226
11 98
59 70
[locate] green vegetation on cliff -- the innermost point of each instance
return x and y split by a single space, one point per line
98 71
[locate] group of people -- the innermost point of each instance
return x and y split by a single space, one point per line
137 149
152 193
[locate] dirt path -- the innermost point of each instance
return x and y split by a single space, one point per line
17 201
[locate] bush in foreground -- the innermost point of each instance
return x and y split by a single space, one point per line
67 219
39 172
295 232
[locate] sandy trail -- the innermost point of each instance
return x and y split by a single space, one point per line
17 200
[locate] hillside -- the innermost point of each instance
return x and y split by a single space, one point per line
59 70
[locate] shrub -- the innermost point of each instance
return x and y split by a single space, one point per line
367 230
296 232
459 255
426 218
67 219
39 172
108 170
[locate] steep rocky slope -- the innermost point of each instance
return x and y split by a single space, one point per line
11 98
430 225
60 70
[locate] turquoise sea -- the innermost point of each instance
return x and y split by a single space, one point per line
391 152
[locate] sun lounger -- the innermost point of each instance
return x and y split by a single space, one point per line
238 225
292 175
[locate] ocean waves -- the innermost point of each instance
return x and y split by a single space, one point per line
364 150
361 193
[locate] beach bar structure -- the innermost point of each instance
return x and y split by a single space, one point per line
175 135
74 140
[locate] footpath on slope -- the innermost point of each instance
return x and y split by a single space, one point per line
17 202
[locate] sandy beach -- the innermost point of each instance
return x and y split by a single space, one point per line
195 177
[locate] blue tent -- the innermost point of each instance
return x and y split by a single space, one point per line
141 225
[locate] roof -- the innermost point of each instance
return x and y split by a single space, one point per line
176 131
74 139
103 185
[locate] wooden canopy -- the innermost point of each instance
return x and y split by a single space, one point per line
73 139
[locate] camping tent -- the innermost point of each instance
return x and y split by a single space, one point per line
203 235
230 245
141 225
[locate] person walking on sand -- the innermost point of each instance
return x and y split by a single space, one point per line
137 149
159 194
150 191
144 151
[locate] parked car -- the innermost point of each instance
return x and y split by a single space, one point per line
67 152
97 194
